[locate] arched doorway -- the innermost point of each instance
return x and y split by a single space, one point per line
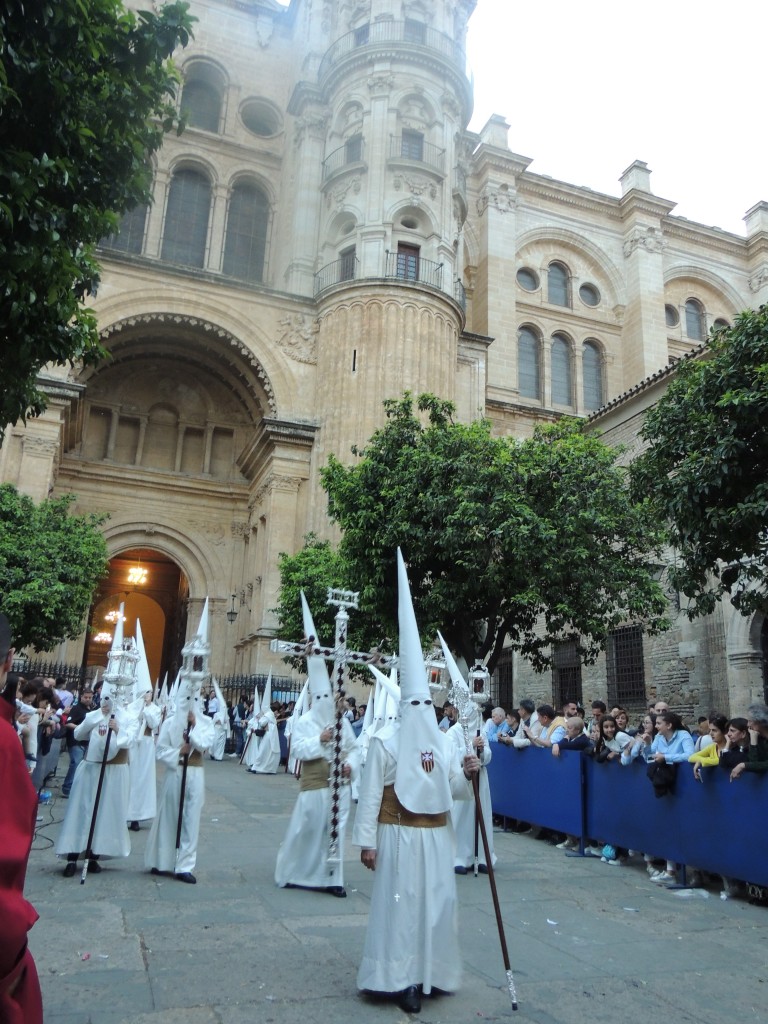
154 590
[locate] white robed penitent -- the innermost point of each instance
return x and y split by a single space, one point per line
161 852
110 838
302 859
412 935
263 753
142 802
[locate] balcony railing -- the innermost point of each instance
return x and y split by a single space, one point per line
408 266
386 32
345 269
352 152
403 147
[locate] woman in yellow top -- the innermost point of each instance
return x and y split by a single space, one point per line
709 756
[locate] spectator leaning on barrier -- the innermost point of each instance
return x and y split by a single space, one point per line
496 724
737 744
552 727
575 739
710 753
757 756
529 722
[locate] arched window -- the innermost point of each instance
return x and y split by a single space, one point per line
246 240
528 363
694 320
129 236
558 285
562 374
592 373
186 218
201 102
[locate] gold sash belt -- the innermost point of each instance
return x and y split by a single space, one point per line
121 757
195 759
392 812
314 774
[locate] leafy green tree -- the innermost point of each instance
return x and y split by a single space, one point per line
706 467
520 542
86 94
313 569
50 564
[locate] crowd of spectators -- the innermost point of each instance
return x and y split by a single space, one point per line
660 739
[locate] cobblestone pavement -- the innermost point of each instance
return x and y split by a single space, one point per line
588 942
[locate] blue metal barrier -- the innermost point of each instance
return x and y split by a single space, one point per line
717 825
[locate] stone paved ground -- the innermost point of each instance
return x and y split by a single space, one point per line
588 942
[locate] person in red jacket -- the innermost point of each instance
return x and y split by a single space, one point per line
20 998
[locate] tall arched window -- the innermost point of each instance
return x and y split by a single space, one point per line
528 363
562 372
201 97
129 236
246 240
558 285
592 373
694 320
186 218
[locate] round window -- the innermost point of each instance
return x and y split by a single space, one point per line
260 117
589 295
671 316
528 279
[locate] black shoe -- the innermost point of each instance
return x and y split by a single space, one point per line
482 869
70 869
134 826
409 999
94 867
459 870
336 890
186 876
156 871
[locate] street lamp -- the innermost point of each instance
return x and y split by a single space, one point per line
232 613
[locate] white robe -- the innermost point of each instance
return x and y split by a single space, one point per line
110 837
303 855
160 852
412 935
142 802
463 811
263 754
221 731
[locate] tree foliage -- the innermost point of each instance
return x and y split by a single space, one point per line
50 564
520 542
86 94
706 467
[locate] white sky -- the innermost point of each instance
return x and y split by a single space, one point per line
589 87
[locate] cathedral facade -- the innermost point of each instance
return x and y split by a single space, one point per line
324 235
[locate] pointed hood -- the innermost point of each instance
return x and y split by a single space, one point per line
143 678
421 780
266 697
320 689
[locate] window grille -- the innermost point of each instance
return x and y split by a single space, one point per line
694 320
412 145
502 689
566 673
129 236
625 666
558 291
201 105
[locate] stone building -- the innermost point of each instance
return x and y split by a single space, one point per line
326 234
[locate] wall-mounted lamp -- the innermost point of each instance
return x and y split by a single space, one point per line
232 613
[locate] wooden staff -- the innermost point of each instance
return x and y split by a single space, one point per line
96 802
494 893
477 831
182 794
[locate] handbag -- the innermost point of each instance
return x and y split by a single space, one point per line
259 732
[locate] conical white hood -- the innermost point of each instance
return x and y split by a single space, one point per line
266 697
143 678
320 689
422 776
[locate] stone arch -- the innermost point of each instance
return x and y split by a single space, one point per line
168 541
584 249
691 272
233 353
